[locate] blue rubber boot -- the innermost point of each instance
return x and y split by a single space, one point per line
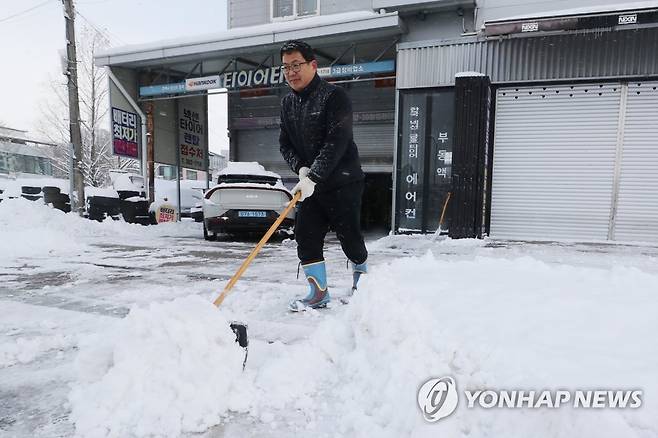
318 294
357 271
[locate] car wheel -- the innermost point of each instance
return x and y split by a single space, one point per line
207 235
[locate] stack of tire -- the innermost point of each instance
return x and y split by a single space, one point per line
32 193
100 208
134 207
53 196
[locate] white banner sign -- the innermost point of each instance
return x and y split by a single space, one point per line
191 136
204 83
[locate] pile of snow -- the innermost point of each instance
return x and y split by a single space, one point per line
167 368
246 168
104 192
166 191
13 187
261 186
127 182
516 323
30 228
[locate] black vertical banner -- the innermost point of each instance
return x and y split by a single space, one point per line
410 190
439 159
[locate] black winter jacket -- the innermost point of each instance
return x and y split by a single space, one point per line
316 132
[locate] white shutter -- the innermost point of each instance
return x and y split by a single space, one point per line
637 205
553 164
375 144
262 145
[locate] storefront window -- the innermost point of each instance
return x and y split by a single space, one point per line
307 7
4 164
25 164
293 8
424 166
167 172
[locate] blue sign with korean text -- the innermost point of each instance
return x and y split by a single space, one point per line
270 76
156 90
338 71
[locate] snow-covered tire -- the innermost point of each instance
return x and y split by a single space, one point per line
208 236
30 190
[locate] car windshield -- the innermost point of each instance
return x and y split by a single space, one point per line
247 179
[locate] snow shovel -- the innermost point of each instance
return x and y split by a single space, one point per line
240 329
443 212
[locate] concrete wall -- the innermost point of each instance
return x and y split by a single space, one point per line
243 13
499 9
438 25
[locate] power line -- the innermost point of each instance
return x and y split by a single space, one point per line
18 14
105 32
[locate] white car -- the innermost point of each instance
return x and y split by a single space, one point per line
247 198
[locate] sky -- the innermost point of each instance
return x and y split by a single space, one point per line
32 39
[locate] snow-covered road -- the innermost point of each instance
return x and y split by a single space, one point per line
533 316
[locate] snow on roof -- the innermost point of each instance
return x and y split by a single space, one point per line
594 9
278 186
468 74
18 134
22 149
101 191
244 33
246 168
12 187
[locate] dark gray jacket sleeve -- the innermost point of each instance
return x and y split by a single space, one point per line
338 136
285 146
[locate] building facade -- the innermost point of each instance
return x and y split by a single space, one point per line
562 118
21 156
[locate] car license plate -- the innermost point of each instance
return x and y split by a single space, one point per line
252 214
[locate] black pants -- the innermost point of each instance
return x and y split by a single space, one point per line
340 208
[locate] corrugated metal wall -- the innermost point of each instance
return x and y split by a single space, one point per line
637 206
554 161
569 56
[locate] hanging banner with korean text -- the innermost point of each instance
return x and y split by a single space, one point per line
125 133
411 161
193 147
439 181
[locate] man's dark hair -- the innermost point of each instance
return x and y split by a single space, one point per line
298 46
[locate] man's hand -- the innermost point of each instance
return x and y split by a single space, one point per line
303 172
306 186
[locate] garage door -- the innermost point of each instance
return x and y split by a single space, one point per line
374 140
375 143
575 162
262 145
636 215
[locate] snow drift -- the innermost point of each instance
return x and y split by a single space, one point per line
487 322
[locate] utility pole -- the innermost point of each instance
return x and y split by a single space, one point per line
74 106
150 155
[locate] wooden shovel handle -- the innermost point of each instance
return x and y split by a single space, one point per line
443 212
256 250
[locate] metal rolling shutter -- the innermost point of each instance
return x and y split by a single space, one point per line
374 138
637 206
553 164
262 145
375 144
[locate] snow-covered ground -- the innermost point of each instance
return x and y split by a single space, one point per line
107 329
